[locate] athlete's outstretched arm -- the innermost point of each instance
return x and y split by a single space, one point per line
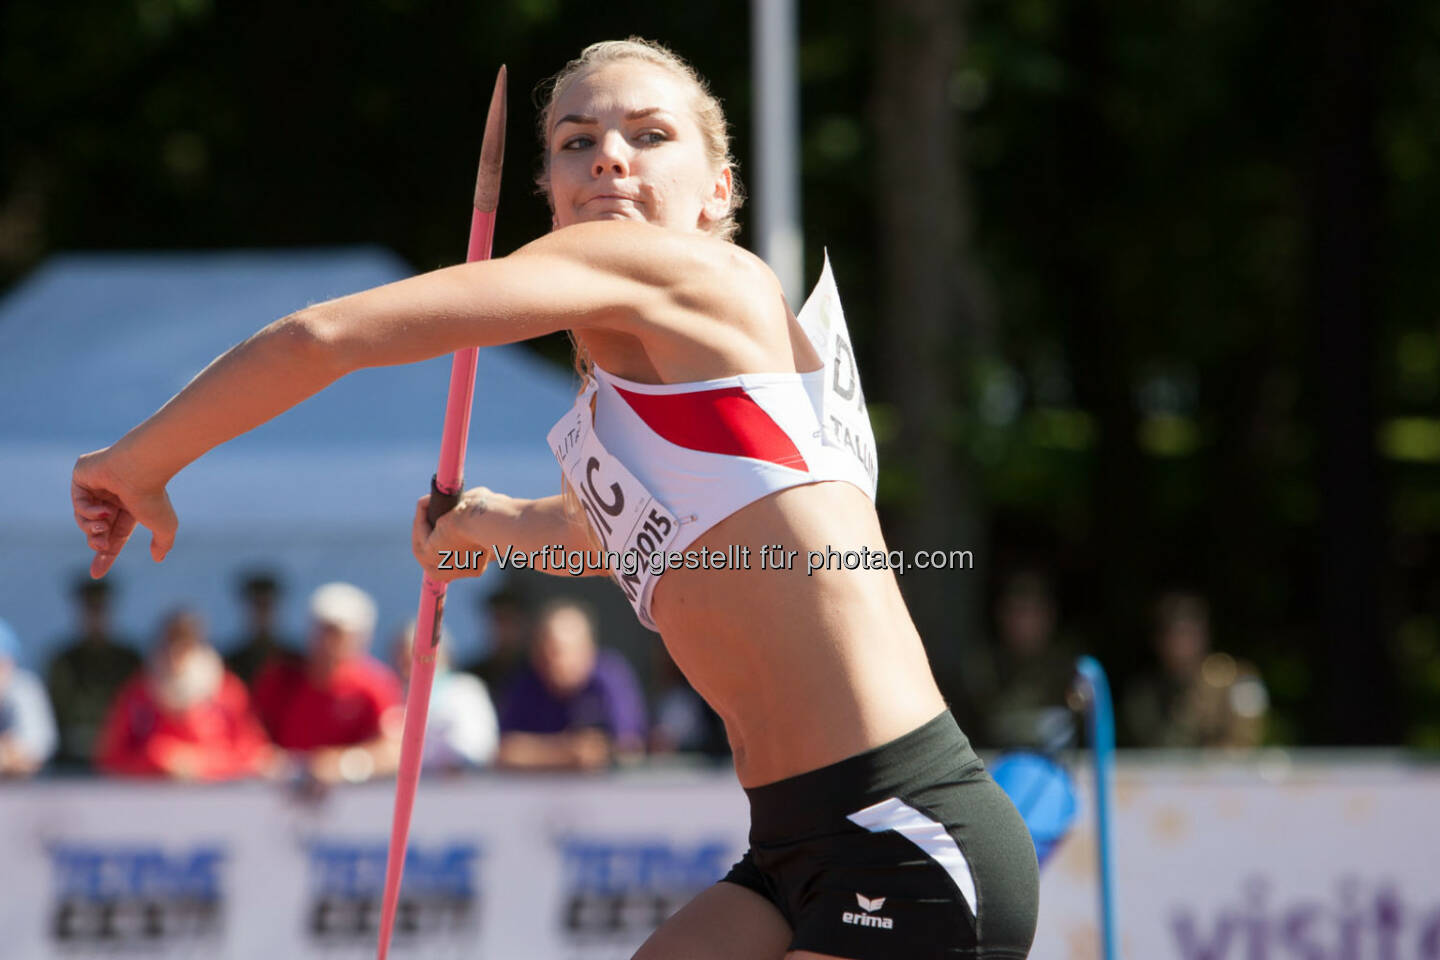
598 275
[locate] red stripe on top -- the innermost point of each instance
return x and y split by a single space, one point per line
725 421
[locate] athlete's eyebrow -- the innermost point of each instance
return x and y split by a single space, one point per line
585 118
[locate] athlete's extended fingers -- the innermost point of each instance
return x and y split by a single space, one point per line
108 506
119 533
89 509
94 527
97 533
107 546
93 515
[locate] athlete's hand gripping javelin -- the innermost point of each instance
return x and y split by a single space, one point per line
484 519
460 531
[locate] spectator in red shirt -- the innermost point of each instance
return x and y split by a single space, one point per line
338 707
183 716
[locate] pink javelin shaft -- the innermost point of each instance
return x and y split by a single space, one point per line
445 490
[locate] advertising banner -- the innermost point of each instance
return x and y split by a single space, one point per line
1215 861
1266 860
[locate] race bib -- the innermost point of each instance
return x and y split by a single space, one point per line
843 416
630 524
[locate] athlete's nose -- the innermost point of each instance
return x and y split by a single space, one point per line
611 157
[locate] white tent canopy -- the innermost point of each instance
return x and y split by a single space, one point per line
90 344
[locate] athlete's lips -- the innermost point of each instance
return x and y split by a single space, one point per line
613 196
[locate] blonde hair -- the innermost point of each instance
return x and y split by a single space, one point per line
709 116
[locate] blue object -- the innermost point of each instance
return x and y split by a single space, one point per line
1043 792
9 643
1091 682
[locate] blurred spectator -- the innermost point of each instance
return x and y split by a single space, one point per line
682 722
507 614
260 596
1021 691
337 705
184 716
573 706
1197 698
460 728
27 727
85 675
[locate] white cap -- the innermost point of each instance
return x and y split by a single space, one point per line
345 606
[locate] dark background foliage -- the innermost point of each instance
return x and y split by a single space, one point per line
1145 293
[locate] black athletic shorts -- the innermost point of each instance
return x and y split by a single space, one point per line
908 851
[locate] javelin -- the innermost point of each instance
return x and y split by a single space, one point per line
445 489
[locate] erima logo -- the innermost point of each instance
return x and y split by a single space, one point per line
866 919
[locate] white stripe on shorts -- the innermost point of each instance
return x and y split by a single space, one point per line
927 834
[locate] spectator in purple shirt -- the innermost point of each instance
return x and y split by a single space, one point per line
574 706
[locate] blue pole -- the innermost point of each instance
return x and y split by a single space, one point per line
1100 719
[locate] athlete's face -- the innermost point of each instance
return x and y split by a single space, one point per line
625 146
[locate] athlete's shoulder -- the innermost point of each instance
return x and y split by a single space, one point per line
656 256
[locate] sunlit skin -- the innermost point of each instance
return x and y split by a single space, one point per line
805 670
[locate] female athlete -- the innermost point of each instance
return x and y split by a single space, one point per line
711 419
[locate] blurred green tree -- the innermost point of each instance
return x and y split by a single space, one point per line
1144 293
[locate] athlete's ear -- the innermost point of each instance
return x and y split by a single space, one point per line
717 205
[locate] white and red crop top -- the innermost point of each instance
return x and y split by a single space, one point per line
657 465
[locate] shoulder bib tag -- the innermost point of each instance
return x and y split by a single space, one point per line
625 517
843 416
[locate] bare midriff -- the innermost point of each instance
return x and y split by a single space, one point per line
805 669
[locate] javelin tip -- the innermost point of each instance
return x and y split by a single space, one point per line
492 151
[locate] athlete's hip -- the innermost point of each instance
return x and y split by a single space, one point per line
909 849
